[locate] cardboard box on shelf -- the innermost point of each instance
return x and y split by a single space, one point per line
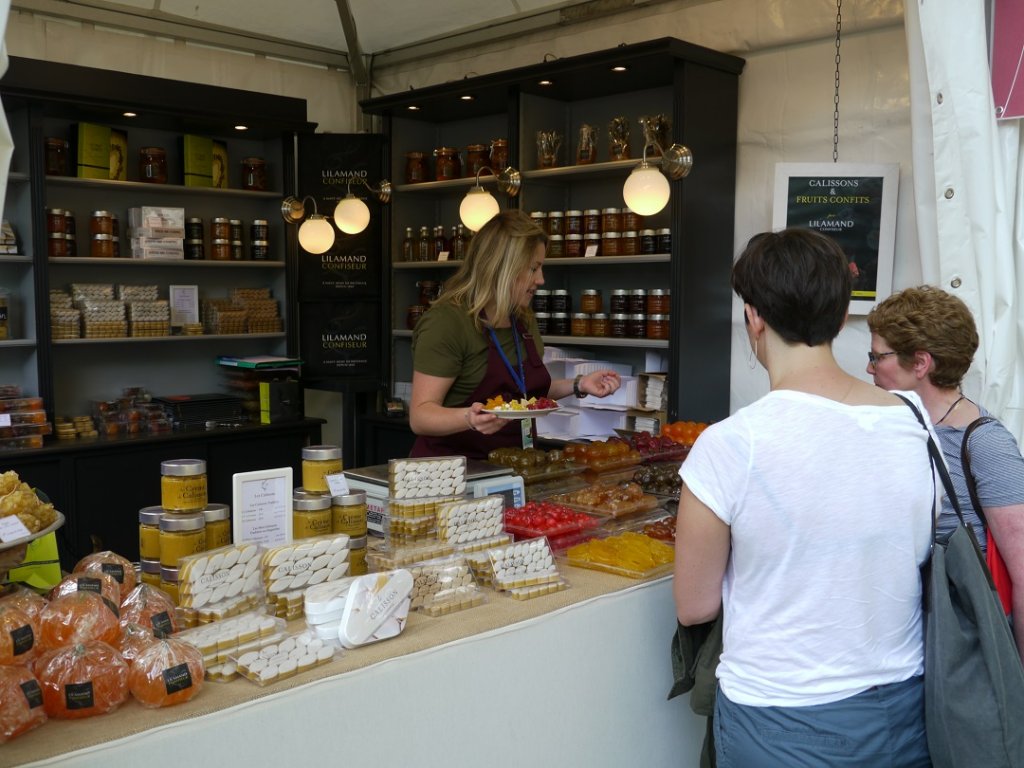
92 151
197 160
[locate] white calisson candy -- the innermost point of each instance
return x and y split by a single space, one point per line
305 562
295 653
463 522
423 478
376 608
212 577
523 564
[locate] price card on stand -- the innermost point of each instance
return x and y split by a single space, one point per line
262 503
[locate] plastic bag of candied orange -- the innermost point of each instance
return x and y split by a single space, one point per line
168 672
77 618
82 680
19 636
21 702
24 598
151 608
112 564
102 584
134 640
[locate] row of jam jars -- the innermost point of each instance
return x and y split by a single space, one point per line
448 162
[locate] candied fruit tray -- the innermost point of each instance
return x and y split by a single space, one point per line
614 501
535 519
626 553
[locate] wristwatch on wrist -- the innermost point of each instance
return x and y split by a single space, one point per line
576 387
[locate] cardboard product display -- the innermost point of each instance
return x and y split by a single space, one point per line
197 160
92 151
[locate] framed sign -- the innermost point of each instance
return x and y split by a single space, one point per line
262 506
855 205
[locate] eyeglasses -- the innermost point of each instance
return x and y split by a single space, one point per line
874 357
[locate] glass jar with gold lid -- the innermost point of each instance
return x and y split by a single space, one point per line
218 525
348 514
311 514
183 485
149 532
318 461
181 534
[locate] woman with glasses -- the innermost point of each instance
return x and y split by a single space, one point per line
804 519
924 339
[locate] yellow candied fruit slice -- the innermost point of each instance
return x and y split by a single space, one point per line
631 551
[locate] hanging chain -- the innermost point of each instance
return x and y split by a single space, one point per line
835 114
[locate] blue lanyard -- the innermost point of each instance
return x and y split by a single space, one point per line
518 379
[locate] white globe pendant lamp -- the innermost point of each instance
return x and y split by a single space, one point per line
477 208
351 215
316 235
646 191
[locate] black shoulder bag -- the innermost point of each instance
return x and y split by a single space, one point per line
973 678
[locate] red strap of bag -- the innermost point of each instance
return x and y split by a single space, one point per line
996 566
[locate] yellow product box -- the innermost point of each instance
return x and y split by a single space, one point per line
219 162
118 155
92 151
197 160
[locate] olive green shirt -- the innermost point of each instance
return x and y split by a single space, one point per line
447 344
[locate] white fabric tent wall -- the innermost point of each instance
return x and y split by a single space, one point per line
969 193
6 140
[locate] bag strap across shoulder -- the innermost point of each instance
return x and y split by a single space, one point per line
965 461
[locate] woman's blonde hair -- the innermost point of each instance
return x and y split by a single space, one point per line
498 255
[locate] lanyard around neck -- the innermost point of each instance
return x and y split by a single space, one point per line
518 378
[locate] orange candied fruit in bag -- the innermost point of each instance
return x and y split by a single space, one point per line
98 583
152 609
166 673
24 598
82 680
19 636
21 702
112 564
134 640
77 618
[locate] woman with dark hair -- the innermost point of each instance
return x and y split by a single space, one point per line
924 339
480 339
804 518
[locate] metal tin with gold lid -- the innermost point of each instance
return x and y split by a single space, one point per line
318 461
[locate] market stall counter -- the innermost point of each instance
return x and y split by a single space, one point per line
578 677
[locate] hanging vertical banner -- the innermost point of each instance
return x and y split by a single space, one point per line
855 205
341 340
330 165
1008 58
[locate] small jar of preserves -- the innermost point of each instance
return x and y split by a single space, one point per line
237 250
619 301
611 220
659 301
57 245
573 246
413 315
540 218
348 514
357 557
220 249
580 325
319 461
235 229
599 325
630 243
259 250
69 223
631 220
194 250
446 164
637 303
115 226
648 243
101 247
56 221
543 322
611 244
259 229
181 534
153 165
194 228
618 325
664 240
499 154
657 327
556 247
115 246
150 571
636 326
169 582
311 515
476 159
415 168
560 301
101 223
254 174
220 228
218 525
592 221
592 244
541 300
591 301
574 222
149 532
556 223
71 244
559 325
183 485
